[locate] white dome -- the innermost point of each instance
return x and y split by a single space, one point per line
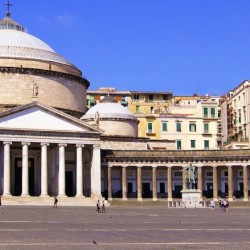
15 38
18 44
109 110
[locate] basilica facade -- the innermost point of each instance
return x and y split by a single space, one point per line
51 145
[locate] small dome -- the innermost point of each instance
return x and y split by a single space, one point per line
109 110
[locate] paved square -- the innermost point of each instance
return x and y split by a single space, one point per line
137 227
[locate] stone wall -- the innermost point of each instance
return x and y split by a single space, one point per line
55 91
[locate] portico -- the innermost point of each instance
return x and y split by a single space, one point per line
158 175
49 162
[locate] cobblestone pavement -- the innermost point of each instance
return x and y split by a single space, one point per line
25 227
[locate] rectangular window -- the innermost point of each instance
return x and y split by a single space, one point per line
205 112
177 174
192 127
150 98
136 96
209 173
178 127
193 143
206 144
206 128
212 112
150 127
178 144
164 126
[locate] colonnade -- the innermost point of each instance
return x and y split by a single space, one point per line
169 169
95 169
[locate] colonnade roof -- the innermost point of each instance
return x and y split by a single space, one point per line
183 155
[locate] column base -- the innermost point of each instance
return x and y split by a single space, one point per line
80 196
96 196
215 199
155 199
7 195
170 199
125 199
245 199
139 199
24 195
61 195
230 199
110 199
44 195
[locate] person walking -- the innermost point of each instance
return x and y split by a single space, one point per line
55 202
103 206
225 205
212 204
98 206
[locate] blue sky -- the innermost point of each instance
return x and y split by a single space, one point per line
182 46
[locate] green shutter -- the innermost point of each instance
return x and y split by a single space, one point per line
213 112
164 126
178 127
206 144
205 112
150 127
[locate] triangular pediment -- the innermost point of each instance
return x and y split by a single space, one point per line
36 116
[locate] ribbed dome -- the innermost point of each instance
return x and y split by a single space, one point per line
16 43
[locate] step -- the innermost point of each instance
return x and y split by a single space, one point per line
47 201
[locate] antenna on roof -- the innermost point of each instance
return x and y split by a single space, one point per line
8 4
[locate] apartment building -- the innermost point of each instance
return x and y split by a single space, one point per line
235 112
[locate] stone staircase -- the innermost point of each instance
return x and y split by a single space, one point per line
47 201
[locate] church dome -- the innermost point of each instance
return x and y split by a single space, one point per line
16 43
109 108
112 118
30 70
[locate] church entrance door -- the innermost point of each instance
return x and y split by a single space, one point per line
69 188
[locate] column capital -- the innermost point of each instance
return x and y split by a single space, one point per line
154 166
45 144
80 145
62 145
96 145
124 166
25 143
244 165
110 165
7 142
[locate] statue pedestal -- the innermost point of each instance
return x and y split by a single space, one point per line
191 197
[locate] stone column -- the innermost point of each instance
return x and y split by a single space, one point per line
245 183
110 183
25 169
154 183
170 184
215 184
61 174
184 181
44 170
124 183
79 171
230 183
96 173
6 173
139 184
200 184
